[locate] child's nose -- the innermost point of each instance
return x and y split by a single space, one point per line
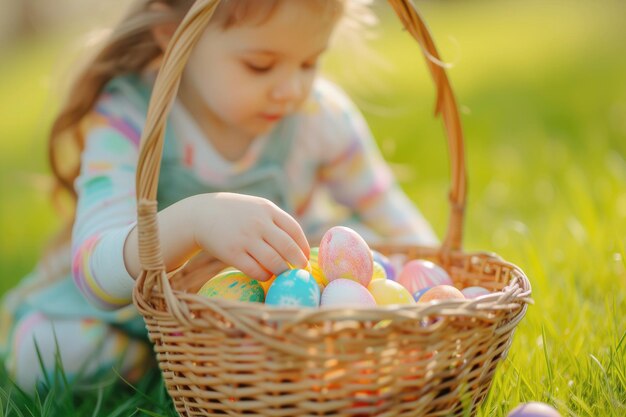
289 88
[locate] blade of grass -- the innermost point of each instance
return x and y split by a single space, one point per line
545 354
41 365
141 394
10 403
98 405
150 413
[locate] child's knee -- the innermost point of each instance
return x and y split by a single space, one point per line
23 361
43 347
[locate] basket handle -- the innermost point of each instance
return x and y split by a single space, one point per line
164 93
447 107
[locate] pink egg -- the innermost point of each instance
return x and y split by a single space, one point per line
419 274
534 409
442 292
344 292
344 254
474 292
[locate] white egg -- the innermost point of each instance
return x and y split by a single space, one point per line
344 292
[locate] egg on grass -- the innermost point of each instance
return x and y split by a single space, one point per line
534 409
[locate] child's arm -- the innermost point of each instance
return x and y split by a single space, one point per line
359 178
235 229
250 233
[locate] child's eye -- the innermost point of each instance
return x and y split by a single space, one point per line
260 69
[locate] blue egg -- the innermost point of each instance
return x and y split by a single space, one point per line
294 288
418 294
386 264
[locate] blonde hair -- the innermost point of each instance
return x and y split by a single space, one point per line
131 48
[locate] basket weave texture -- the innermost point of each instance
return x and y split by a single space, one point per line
223 358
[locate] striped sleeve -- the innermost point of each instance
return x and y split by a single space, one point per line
359 178
106 207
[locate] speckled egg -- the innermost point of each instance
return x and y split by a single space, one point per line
387 292
418 294
390 271
233 285
419 274
315 269
474 292
378 271
344 292
442 292
344 254
294 288
534 409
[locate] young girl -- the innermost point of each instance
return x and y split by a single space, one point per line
261 157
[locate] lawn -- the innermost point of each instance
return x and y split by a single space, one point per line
542 87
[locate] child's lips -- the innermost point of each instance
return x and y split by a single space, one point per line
272 117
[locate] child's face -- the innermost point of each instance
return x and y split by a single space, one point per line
246 78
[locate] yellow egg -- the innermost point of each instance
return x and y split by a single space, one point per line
387 292
267 284
315 269
233 285
379 272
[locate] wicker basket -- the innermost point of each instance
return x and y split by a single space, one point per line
245 359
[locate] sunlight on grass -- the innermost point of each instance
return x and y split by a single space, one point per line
542 90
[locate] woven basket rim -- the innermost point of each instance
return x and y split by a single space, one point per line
516 295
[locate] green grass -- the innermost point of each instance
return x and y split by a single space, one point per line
542 86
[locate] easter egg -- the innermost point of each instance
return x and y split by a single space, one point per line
390 271
315 270
387 292
474 292
294 288
233 285
267 284
345 292
418 294
442 292
419 273
378 271
344 254
534 409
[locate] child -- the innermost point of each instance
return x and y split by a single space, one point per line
256 149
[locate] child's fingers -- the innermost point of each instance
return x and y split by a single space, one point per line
249 266
286 248
293 229
268 257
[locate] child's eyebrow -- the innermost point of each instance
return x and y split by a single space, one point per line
271 53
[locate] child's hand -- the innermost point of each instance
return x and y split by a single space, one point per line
250 233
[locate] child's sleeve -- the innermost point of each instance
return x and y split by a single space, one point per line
359 178
106 208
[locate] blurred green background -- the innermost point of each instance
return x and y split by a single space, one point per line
542 89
